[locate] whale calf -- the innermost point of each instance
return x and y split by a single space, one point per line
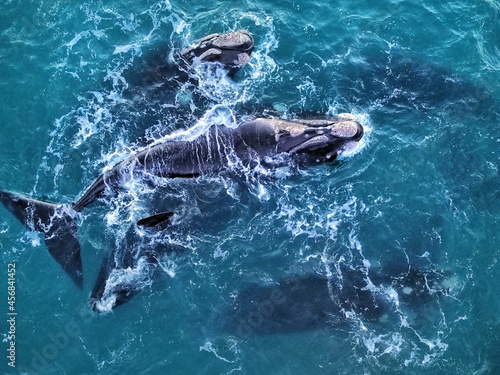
258 141
162 75
232 50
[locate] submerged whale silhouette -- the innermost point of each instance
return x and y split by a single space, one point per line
261 141
313 301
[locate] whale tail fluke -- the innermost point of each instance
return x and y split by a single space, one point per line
58 225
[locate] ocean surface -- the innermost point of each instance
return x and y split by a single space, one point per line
403 233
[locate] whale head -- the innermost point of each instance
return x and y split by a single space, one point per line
232 49
319 140
313 140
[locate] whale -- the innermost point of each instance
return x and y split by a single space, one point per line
232 50
313 301
268 142
162 73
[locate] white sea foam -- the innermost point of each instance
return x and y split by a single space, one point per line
168 265
76 39
209 347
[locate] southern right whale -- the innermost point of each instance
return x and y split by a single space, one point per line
313 301
161 76
258 141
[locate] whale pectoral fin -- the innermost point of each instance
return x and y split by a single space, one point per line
156 219
58 226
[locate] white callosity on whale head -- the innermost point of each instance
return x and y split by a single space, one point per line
324 137
231 49
346 129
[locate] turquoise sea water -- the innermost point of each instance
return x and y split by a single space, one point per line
420 196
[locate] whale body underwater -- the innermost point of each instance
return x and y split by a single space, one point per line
260 141
312 301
